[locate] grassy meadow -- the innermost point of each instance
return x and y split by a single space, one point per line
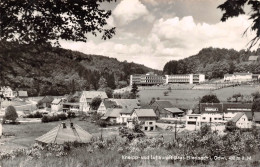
188 98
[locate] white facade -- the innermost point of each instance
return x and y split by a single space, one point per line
6 91
185 78
243 122
124 117
83 104
238 77
102 108
56 106
212 117
193 121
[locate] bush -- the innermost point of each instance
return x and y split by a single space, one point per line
45 119
10 114
102 123
71 114
36 115
62 116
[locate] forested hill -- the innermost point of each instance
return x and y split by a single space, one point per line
215 62
46 70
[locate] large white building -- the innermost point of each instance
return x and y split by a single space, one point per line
7 92
238 77
153 79
185 78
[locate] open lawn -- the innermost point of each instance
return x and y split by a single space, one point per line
25 133
188 98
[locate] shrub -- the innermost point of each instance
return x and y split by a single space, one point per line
36 115
102 123
11 114
71 114
45 119
62 116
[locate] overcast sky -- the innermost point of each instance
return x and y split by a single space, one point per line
153 32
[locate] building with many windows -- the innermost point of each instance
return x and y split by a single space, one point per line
185 78
153 79
147 79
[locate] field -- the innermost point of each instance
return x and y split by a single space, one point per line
25 133
188 98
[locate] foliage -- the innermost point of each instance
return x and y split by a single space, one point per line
209 99
95 103
96 116
231 126
134 89
234 8
166 93
58 117
236 96
10 113
34 115
256 106
109 92
62 71
125 95
205 129
71 114
37 22
215 62
102 83
255 95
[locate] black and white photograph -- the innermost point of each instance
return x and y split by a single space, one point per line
129 83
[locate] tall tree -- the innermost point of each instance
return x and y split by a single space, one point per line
209 99
134 89
234 8
40 21
102 83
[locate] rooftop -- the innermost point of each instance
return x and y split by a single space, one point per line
145 113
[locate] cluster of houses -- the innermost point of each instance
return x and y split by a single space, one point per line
125 111
8 93
220 113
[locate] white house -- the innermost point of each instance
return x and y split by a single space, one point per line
104 105
83 103
146 117
241 121
112 115
6 91
193 121
125 115
57 105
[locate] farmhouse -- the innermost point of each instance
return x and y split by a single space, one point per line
71 107
65 133
45 102
241 121
23 95
57 105
112 115
89 95
127 103
146 117
7 92
125 115
257 118
104 105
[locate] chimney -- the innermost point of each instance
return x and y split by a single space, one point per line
63 125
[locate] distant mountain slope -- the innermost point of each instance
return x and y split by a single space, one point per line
214 63
46 70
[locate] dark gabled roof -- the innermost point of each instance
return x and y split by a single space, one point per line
173 110
60 135
163 103
47 99
109 104
93 94
113 112
127 103
237 117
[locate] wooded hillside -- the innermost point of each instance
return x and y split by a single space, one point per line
46 70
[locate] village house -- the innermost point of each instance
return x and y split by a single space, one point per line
112 115
130 104
146 117
241 121
89 95
125 115
165 109
257 118
253 58
23 95
57 104
104 105
45 102
71 107
193 121
7 92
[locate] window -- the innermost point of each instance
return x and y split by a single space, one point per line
145 128
150 123
191 123
203 117
151 128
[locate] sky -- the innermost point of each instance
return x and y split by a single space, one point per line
153 32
